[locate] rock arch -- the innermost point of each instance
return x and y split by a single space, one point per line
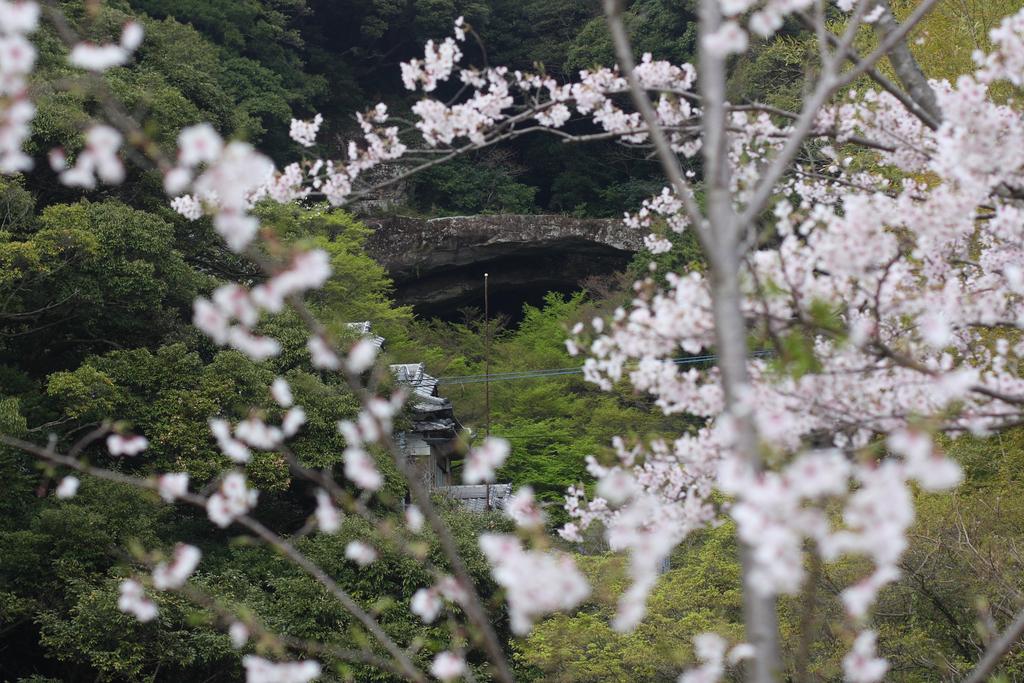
438 264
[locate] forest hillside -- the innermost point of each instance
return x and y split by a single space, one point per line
99 335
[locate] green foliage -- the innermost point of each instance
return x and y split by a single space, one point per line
472 186
775 72
554 423
95 298
86 277
701 592
668 30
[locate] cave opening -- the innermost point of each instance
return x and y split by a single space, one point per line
514 281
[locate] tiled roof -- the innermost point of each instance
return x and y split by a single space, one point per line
415 376
363 329
475 497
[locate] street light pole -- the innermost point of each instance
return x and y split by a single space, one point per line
487 352
487 371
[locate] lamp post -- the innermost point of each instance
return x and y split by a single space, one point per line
487 371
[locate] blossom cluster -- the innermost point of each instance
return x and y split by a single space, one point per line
97 58
259 670
175 573
126 444
427 603
483 461
99 160
448 666
229 318
918 276
17 59
232 500
763 18
536 582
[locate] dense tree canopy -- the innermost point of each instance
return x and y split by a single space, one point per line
96 306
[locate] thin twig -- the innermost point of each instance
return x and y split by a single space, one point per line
272 539
997 650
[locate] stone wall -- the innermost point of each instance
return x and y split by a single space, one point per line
438 264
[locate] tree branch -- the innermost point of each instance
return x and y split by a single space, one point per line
268 536
669 160
997 650
908 71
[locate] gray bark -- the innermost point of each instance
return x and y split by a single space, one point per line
759 611
908 71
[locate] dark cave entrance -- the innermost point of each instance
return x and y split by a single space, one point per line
515 280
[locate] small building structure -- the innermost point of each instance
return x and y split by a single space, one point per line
363 329
434 432
432 438
480 497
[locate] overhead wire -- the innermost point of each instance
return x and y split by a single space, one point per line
558 372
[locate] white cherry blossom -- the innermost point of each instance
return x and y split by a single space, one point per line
175 573
133 600
259 670
68 487
448 666
360 553
126 444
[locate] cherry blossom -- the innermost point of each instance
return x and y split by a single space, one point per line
437 65
451 590
17 59
132 35
229 446
133 601
328 519
172 485
199 144
861 665
18 17
322 354
235 177
259 670
98 160
281 392
239 634
360 553
361 469
523 509
188 206
710 650
414 519
304 132
293 420
258 434
130 444
68 487
483 461
92 57
361 356
175 573
231 500
536 583
426 604
727 40
308 270
448 666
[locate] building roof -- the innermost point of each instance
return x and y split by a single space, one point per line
415 376
363 329
475 497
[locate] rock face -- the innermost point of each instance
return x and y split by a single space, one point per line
438 264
